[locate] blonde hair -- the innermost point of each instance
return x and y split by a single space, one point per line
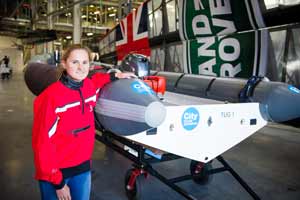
67 53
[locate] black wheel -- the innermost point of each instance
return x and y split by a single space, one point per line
199 172
136 192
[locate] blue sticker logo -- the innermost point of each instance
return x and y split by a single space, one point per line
190 118
294 89
141 88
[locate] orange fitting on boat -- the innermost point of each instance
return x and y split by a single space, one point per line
157 83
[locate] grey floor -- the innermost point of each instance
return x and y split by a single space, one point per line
269 161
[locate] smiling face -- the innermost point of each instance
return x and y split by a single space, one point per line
77 64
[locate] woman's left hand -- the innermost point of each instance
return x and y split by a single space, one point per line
125 75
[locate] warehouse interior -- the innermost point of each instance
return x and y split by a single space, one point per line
268 161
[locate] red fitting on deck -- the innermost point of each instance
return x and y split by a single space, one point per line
157 83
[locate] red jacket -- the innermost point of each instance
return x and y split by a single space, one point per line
63 127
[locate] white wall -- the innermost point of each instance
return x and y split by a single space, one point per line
8 47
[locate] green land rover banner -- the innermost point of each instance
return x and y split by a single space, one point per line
221 38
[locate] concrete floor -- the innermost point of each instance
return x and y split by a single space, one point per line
269 161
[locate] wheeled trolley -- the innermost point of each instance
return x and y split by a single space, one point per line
200 173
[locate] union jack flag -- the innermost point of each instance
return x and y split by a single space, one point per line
132 33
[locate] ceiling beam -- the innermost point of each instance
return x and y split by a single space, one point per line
17 8
70 6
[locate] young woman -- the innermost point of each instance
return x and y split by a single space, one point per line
63 128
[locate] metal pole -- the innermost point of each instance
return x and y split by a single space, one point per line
76 23
50 8
33 23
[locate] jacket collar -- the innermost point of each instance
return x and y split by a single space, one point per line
70 83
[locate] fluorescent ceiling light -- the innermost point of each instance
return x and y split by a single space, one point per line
90 34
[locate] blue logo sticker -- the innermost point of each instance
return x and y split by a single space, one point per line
294 89
141 88
190 118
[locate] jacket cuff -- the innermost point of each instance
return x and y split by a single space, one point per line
112 76
60 185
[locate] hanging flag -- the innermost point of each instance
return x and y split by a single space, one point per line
132 33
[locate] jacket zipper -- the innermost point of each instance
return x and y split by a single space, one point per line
82 101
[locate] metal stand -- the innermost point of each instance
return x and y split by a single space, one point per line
227 167
143 165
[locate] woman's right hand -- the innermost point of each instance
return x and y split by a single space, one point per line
64 193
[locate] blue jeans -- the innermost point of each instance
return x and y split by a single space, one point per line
80 187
